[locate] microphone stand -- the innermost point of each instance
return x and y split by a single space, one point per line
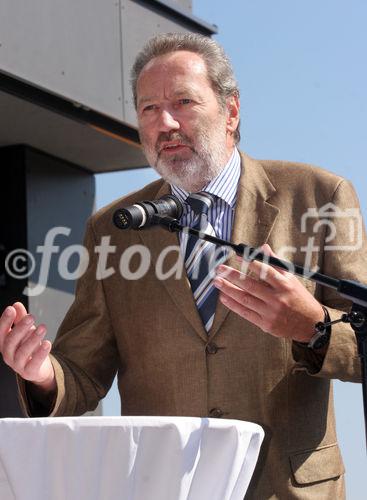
352 290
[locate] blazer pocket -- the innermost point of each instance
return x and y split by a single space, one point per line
319 464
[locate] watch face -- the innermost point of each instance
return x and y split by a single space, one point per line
321 341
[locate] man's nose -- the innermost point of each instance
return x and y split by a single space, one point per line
168 121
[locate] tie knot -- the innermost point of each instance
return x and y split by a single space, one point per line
200 202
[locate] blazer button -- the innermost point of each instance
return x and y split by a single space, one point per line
211 348
216 413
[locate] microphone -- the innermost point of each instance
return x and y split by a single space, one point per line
143 214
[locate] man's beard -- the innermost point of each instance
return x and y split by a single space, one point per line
208 156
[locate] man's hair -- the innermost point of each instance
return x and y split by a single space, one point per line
219 68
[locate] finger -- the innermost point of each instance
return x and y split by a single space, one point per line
260 269
243 298
265 272
6 322
242 311
21 311
257 288
26 350
30 331
267 250
38 357
17 335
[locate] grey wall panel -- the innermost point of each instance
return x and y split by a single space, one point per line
58 195
71 48
139 22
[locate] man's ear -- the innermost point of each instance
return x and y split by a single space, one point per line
233 113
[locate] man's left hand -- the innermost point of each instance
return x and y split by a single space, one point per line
271 298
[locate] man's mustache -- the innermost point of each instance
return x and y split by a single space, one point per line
170 137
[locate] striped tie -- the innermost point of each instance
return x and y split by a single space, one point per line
201 258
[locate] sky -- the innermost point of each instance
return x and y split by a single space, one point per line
302 71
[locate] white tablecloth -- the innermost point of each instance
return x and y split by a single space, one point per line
127 458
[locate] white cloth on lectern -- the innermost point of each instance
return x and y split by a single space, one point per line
127 458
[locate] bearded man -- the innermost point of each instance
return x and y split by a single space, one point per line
250 359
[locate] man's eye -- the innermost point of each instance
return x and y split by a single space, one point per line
185 101
150 107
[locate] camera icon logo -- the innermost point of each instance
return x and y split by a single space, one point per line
348 223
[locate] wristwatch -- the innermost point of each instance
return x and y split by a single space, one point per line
322 335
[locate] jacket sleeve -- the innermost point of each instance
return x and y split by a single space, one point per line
344 256
84 354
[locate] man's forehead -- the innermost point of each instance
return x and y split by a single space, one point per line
177 73
181 61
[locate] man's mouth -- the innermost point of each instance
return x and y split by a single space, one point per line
172 147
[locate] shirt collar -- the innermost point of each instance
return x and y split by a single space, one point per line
223 186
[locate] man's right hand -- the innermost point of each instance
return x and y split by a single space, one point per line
23 347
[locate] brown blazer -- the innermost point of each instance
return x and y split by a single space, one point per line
150 331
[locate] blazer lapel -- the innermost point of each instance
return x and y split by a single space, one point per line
157 239
254 218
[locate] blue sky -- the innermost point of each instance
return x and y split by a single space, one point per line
302 72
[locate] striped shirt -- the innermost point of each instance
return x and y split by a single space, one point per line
221 214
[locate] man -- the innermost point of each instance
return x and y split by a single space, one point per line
253 361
